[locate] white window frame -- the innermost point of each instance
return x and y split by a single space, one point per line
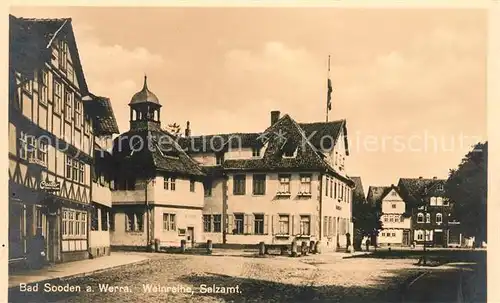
427 218
284 184
305 184
439 218
420 218
305 221
68 105
58 97
23 145
282 222
169 222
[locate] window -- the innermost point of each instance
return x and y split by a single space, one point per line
207 187
69 166
433 201
239 224
44 83
74 223
68 101
75 170
27 86
86 126
39 217
325 225
81 172
335 192
57 97
289 153
255 152
42 150
420 236
134 222
427 218
169 183
393 234
31 151
219 159
446 202
393 193
239 184
326 186
439 201
259 184
391 219
440 187
284 224
386 219
439 218
65 223
94 218
259 224
23 145
78 113
104 219
111 220
70 73
393 205
169 222
284 186
192 186
420 218
305 225
207 223
336 157
217 223
331 188
305 184
63 55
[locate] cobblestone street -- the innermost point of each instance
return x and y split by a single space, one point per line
191 278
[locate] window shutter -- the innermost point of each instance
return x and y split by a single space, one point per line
275 219
230 223
266 224
296 224
248 224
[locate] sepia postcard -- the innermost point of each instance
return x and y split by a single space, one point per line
247 154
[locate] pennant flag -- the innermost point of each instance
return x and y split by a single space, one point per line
329 96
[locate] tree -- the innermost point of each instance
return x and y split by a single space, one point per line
467 188
174 129
366 218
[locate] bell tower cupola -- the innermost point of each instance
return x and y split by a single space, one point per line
145 110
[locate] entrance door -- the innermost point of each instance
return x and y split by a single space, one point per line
190 236
438 238
51 238
406 238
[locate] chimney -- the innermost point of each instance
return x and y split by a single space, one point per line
187 132
275 116
420 177
434 178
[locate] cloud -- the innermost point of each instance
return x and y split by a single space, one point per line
113 70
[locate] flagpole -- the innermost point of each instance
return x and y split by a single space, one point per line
328 94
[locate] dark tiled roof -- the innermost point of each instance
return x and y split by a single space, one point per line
219 143
324 132
413 189
160 152
103 117
30 41
377 193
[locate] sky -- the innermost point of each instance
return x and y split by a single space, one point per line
411 83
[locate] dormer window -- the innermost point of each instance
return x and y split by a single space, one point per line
440 187
219 159
290 153
255 152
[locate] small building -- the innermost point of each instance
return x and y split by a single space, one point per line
396 221
433 219
158 189
104 126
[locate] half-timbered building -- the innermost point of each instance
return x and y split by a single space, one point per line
51 139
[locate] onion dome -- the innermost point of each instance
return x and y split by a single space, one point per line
145 95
